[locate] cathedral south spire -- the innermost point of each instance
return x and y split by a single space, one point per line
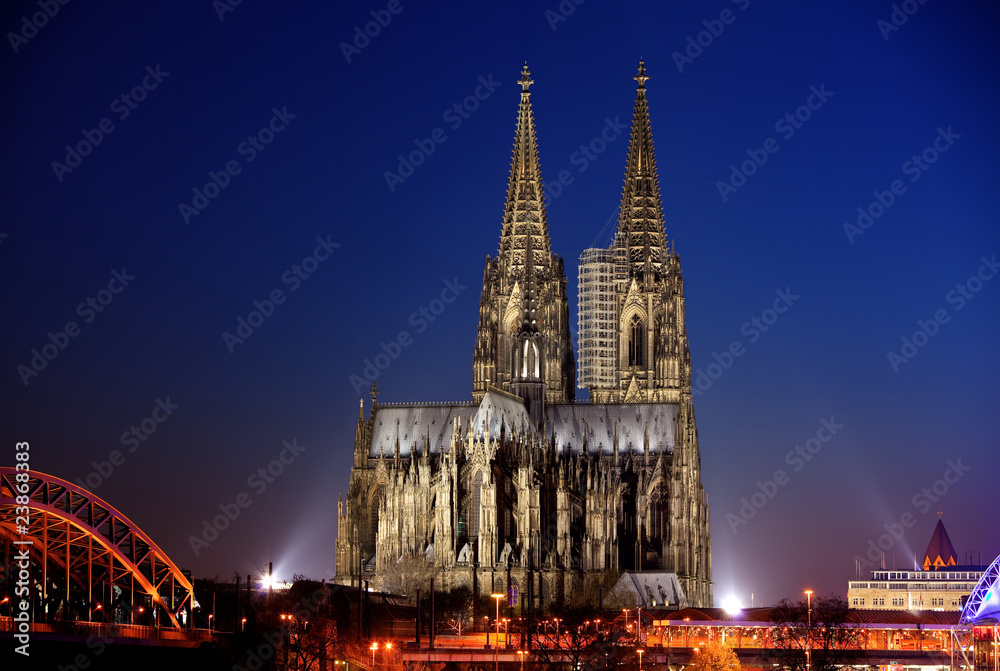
640 224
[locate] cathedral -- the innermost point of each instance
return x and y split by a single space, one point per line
523 490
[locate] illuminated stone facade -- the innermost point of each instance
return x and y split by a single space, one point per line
522 490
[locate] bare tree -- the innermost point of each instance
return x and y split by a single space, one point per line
571 641
407 576
821 636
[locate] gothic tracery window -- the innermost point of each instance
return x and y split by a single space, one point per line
636 338
477 483
373 521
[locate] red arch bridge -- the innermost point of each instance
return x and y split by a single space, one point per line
87 564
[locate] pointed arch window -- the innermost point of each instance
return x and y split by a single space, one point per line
636 340
373 521
477 485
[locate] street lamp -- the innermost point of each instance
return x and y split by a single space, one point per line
808 629
640 651
520 654
373 649
496 649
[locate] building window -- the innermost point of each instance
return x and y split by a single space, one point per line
373 523
477 485
636 337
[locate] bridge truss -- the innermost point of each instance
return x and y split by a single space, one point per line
88 562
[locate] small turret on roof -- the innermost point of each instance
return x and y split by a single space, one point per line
940 552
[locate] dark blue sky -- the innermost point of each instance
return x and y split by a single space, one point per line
336 127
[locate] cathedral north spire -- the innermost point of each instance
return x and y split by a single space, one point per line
524 288
525 195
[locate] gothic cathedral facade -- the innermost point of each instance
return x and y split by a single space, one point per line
522 489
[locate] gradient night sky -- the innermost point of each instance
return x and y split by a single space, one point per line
323 175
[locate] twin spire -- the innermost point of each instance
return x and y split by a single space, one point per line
640 225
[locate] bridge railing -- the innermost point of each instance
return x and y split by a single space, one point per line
105 630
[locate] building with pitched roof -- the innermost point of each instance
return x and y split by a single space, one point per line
522 490
938 582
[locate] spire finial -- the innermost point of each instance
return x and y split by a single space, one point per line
641 76
526 79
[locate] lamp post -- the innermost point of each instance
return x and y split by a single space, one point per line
640 651
373 649
520 654
808 629
496 648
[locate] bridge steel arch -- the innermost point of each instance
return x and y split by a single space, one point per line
984 601
86 555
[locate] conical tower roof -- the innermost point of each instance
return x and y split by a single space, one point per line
940 551
640 223
525 195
